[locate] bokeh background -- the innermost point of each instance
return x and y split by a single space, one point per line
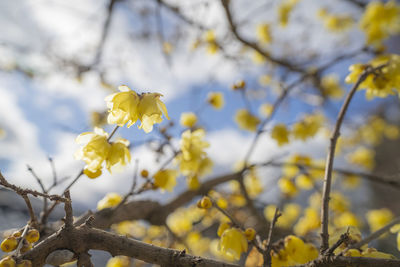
59 59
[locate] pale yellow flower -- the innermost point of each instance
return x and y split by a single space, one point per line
246 121
233 242
166 179
188 119
150 111
123 107
110 200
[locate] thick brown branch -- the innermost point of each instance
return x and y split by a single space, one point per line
90 238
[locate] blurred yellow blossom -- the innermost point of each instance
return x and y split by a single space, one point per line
165 179
188 119
281 134
346 219
380 20
193 159
284 10
308 222
331 86
335 23
308 126
246 121
378 218
363 157
110 200
216 100
287 187
266 109
264 33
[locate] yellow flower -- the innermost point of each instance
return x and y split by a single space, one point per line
123 107
165 179
95 152
193 182
252 182
246 120
378 218
233 242
381 84
280 134
150 111
304 182
193 159
331 86
363 157
380 20
299 251
308 127
9 244
250 233
98 150
284 11
181 221
110 200
188 119
118 154
287 187
264 33
120 261
309 222
216 100
345 219
289 214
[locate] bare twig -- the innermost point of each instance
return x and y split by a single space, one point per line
266 254
331 156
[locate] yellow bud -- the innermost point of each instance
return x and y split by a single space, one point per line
7 262
239 85
32 236
9 244
205 203
250 233
144 173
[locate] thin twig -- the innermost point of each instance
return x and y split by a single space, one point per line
53 170
266 254
331 156
30 209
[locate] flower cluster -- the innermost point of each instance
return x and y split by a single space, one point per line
97 150
193 160
126 107
380 20
381 83
11 243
